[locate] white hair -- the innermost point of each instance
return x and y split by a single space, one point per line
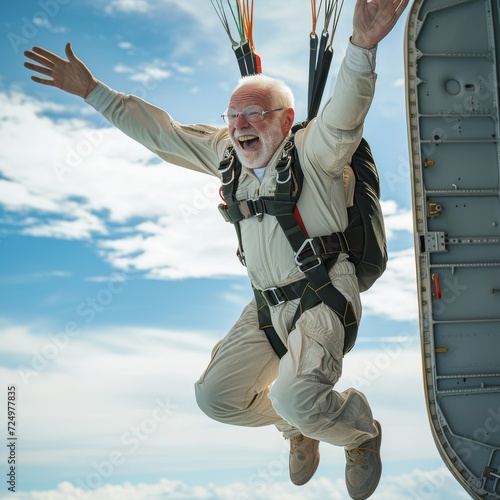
281 92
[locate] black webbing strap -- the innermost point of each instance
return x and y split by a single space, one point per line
320 287
313 51
310 253
246 59
318 73
273 297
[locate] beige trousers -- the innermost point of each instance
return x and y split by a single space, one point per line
247 384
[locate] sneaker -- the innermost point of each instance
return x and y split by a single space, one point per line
304 459
364 467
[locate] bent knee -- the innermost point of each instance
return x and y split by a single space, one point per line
304 417
288 406
206 398
212 402
298 404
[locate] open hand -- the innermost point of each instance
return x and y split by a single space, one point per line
374 19
69 75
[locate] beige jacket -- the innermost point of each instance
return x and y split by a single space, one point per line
324 147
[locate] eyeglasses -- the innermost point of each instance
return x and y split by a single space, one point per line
251 114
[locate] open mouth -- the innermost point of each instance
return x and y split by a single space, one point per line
248 142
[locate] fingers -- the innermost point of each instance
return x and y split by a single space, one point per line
38 69
43 81
41 60
69 53
50 56
40 56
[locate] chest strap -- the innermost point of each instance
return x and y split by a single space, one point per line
310 254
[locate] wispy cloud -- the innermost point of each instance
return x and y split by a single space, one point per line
121 382
128 6
18 279
44 22
93 181
437 485
394 295
151 72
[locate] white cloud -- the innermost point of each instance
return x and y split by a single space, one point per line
125 45
395 218
394 295
128 6
42 21
122 68
83 225
129 391
91 177
17 197
151 72
400 82
32 277
429 484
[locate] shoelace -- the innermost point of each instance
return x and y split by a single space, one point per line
295 441
356 455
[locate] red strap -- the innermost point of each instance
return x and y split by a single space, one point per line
222 196
300 222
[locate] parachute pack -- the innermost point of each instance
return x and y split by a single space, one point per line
364 238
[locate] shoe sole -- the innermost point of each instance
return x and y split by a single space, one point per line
378 445
313 468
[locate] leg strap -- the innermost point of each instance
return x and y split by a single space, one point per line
309 298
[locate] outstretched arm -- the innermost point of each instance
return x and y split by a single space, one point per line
70 75
374 19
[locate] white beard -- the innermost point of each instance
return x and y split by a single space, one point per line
268 143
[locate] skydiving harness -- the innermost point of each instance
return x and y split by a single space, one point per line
313 256
364 238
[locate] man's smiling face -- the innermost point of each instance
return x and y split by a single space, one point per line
256 142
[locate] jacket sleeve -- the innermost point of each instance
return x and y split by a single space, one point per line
329 140
196 147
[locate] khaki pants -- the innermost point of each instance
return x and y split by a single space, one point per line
247 384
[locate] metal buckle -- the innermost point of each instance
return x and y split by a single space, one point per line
312 261
284 164
224 167
246 208
277 298
223 210
281 170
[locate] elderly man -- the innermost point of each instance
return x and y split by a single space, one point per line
246 383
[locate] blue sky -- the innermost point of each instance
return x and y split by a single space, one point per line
118 274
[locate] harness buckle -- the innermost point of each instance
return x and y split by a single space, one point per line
310 262
251 208
273 296
225 166
224 212
283 166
